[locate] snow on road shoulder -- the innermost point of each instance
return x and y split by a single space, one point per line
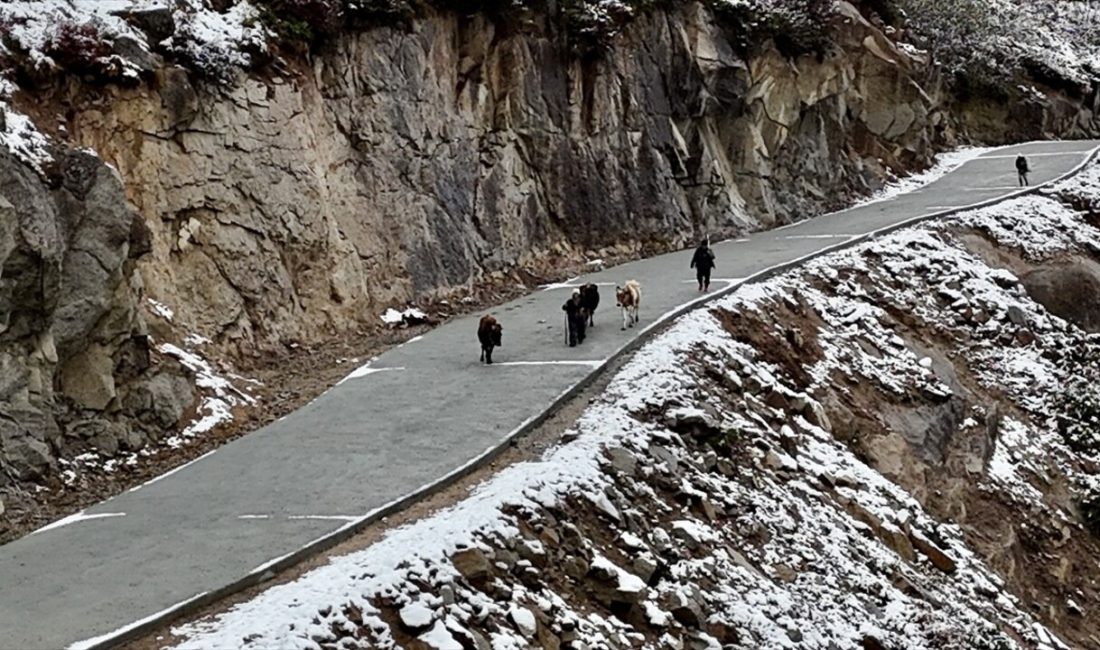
944 164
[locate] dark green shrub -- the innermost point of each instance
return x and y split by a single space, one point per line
78 47
373 13
304 21
1090 511
1076 407
591 27
797 27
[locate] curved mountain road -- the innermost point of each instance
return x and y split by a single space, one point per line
417 417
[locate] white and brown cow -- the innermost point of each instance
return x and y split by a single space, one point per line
629 298
488 334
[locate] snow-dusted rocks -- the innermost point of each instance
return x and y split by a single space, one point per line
440 638
408 317
524 620
416 615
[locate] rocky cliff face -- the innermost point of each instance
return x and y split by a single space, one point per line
75 360
401 163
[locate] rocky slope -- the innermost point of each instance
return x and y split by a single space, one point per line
876 451
77 370
286 198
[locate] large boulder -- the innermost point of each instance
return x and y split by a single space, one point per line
25 451
88 378
161 401
70 327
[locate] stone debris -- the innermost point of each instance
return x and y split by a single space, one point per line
524 620
416 616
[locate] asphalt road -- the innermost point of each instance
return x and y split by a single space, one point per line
419 413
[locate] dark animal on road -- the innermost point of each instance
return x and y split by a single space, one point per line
488 334
575 319
590 299
703 262
629 298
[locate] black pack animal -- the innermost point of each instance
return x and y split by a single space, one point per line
590 299
575 319
488 334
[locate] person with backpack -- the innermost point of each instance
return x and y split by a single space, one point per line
1022 170
703 263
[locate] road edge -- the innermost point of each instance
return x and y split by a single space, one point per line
329 540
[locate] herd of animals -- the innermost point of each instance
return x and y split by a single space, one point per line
580 311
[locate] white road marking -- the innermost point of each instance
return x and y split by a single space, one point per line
993 189
838 236
80 516
592 364
415 339
571 284
726 280
254 517
560 285
367 370
1034 155
267 565
95 641
790 225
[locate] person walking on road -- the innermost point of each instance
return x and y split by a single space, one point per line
703 263
1022 170
575 319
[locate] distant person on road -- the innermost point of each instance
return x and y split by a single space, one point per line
1022 170
703 263
575 319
